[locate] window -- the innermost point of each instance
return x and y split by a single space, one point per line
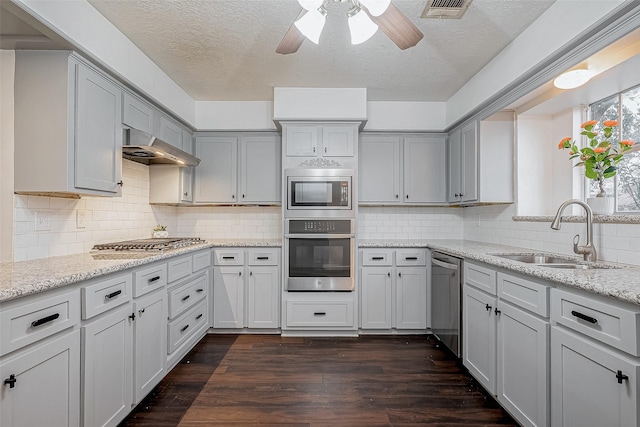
624 107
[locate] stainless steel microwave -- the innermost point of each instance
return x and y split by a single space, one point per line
317 192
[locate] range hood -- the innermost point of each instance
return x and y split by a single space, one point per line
142 147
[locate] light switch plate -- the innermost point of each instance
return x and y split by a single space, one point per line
43 221
81 217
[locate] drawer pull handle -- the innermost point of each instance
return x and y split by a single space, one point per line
198 316
377 258
263 258
620 376
184 328
199 290
319 313
228 257
584 317
186 297
154 279
411 258
12 381
487 307
44 320
113 294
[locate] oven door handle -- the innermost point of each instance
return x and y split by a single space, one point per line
319 236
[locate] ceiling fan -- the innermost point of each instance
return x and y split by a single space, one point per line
364 18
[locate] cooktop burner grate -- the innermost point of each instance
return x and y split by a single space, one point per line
149 244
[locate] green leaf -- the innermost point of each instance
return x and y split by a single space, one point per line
590 173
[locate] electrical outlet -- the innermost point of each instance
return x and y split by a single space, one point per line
43 221
81 217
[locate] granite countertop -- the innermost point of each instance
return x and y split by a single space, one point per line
19 279
622 283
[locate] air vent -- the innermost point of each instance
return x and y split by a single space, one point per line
445 9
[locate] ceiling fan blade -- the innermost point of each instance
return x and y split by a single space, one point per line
293 39
398 27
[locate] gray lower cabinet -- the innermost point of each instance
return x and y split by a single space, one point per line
506 340
68 122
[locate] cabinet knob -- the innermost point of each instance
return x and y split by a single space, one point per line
251 273
120 183
186 194
407 196
243 196
325 149
620 376
396 196
496 311
12 381
233 196
457 195
399 274
140 312
388 274
132 316
239 273
487 307
314 149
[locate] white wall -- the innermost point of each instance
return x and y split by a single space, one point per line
405 116
234 115
494 224
562 22
7 70
534 171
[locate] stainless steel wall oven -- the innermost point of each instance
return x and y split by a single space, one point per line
319 254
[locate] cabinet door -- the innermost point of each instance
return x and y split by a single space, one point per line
411 298
260 169
98 139
46 391
150 342
424 169
169 131
587 383
469 161
479 336
186 174
376 297
523 367
228 297
107 361
137 113
379 169
455 173
216 173
302 141
338 141
263 297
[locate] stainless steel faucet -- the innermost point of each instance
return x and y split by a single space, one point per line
588 250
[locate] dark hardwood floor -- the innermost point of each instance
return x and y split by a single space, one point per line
272 380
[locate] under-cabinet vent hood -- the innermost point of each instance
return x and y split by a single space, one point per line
142 147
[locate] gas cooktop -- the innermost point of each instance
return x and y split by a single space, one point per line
155 244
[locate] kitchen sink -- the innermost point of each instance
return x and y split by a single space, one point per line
551 261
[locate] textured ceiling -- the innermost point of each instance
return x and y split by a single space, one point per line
225 49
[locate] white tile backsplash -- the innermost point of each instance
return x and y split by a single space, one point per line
402 223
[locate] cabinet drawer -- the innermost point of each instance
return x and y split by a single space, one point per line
149 279
406 257
181 329
602 320
229 257
263 256
29 322
480 277
185 296
201 260
179 267
105 295
377 257
524 293
315 313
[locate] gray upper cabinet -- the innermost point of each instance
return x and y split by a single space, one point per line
168 130
402 169
463 164
238 168
68 121
325 140
136 113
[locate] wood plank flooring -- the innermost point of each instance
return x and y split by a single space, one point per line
271 380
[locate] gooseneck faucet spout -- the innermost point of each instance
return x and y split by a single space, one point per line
588 250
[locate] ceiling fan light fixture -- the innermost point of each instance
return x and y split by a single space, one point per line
573 78
376 7
361 27
311 24
311 4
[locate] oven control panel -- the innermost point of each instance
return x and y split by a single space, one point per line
320 226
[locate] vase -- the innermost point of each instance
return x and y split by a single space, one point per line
601 205
160 234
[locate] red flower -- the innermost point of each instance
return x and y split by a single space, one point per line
601 149
610 123
588 123
563 141
627 142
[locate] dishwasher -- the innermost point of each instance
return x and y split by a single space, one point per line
445 300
